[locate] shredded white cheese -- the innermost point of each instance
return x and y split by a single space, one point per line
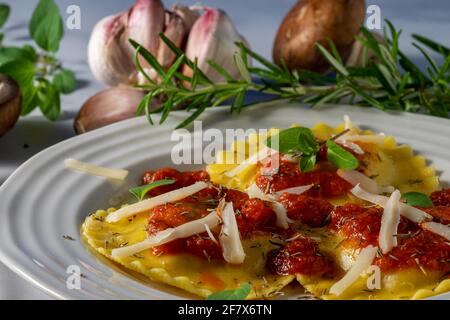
252 160
362 262
375 138
355 177
437 228
254 191
229 238
210 234
282 217
148 204
348 125
389 223
115 176
411 213
295 190
183 231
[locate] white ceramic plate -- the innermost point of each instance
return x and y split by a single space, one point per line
41 202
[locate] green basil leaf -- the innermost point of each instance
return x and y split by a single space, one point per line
4 14
340 157
417 199
49 100
239 294
46 25
297 139
307 163
8 54
21 70
30 100
141 191
65 81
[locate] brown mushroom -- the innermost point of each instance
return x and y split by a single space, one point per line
315 21
10 103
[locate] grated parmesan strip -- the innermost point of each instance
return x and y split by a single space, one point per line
411 213
437 228
148 204
210 234
183 231
264 153
389 223
232 249
362 262
375 138
283 221
116 176
295 190
354 177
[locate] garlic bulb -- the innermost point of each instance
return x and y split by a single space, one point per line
213 37
110 55
106 107
10 102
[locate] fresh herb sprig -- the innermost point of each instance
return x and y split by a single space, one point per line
4 14
239 294
300 141
417 199
141 191
389 82
41 77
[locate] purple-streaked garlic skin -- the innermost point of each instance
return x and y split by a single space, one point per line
108 106
188 15
177 32
10 103
213 37
146 20
110 55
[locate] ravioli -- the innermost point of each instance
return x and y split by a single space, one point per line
193 274
387 163
384 161
411 283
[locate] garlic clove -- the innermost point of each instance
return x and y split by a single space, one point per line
109 61
108 106
177 32
10 103
146 20
213 37
179 22
110 56
188 15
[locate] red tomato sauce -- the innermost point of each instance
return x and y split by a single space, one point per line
311 211
441 198
327 183
416 248
301 255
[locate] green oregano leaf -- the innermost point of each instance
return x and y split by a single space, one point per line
141 191
294 140
46 26
4 14
340 157
417 199
307 163
65 81
239 294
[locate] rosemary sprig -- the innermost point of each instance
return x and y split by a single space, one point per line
391 82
